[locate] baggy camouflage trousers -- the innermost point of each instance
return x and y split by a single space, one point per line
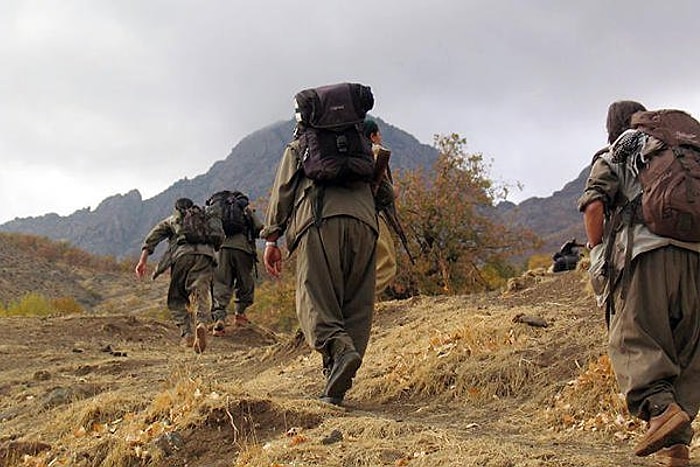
190 290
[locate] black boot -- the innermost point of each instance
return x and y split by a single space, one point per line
346 362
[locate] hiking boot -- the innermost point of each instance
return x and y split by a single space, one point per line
677 455
341 375
663 426
332 400
219 328
200 338
241 320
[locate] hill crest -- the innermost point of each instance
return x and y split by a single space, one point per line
120 222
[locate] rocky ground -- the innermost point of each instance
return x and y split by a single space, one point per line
517 378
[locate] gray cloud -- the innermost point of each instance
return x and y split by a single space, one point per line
101 97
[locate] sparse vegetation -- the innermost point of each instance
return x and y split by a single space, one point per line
450 380
539 261
53 250
448 217
35 304
274 305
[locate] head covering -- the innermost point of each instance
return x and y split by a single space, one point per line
370 127
183 203
619 116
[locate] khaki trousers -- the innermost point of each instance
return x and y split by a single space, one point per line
386 256
654 338
335 284
233 274
190 287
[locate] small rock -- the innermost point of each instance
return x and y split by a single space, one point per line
170 442
42 375
334 437
535 321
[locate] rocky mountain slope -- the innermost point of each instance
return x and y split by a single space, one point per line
555 219
118 225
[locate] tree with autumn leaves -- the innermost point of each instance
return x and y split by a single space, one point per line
448 215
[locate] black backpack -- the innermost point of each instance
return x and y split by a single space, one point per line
334 147
232 205
199 225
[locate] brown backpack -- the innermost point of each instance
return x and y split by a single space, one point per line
671 180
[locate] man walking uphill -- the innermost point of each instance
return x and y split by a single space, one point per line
384 200
322 201
237 258
649 282
193 234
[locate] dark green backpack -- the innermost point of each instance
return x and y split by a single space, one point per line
197 225
233 205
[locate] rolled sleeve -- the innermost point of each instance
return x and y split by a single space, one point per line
602 184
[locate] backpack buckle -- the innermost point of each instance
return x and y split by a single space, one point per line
341 141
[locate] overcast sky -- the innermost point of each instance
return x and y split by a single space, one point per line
99 97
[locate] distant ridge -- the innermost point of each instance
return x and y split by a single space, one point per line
119 223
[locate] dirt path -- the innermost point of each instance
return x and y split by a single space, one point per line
119 390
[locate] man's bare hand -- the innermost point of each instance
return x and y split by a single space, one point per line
273 260
140 269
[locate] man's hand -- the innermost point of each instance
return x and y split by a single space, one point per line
141 266
273 260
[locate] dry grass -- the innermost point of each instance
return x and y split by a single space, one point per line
446 381
591 402
468 356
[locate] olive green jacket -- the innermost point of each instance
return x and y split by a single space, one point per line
166 229
245 241
292 201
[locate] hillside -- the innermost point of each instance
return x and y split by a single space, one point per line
555 218
55 270
118 225
447 381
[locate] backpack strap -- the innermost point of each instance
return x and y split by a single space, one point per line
630 215
319 194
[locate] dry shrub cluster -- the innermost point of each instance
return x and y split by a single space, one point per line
274 305
116 430
62 251
475 359
357 441
36 304
592 402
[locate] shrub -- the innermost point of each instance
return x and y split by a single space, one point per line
539 261
66 306
448 215
35 304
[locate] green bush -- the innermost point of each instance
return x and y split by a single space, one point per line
35 304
